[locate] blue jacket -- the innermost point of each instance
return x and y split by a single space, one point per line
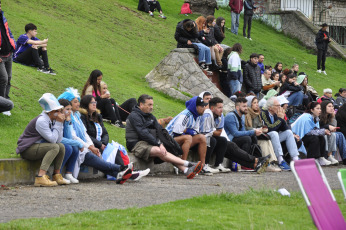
67 137
232 126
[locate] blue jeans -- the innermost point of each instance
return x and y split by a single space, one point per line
287 136
203 54
98 163
71 155
296 99
5 76
235 22
235 86
341 143
5 104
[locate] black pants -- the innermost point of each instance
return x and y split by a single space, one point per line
32 56
110 111
151 6
218 146
245 142
315 146
321 57
248 23
236 154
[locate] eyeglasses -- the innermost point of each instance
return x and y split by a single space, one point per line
277 105
93 102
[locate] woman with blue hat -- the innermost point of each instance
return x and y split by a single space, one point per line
41 141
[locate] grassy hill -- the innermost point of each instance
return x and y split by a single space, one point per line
111 35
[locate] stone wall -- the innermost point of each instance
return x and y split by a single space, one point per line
179 76
203 7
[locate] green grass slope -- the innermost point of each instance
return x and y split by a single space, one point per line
125 45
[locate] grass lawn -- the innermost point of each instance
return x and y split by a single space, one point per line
251 210
111 35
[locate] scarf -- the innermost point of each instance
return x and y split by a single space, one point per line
78 125
250 116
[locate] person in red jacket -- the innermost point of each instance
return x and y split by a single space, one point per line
236 8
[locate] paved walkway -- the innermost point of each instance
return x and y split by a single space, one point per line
100 194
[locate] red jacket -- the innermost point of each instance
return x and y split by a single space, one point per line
236 6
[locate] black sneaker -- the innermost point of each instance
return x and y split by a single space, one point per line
50 71
42 70
119 124
262 164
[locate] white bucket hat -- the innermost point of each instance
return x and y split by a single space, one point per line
49 103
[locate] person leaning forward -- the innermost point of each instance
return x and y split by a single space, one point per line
142 141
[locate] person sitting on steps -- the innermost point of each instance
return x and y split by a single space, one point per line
30 50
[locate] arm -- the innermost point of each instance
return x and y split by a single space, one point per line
217 132
142 130
279 124
71 142
268 87
316 132
38 42
247 79
75 137
231 125
293 88
51 135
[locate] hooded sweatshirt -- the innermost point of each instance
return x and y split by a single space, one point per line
188 119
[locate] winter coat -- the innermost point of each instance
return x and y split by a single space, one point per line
218 34
320 42
208 39
138 128
249 7
252 77
91 129
182 36
236 6
290 87
340 100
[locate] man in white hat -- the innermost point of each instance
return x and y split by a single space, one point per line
41 140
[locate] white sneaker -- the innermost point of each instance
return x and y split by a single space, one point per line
212 170
250 39
142 173
222 169
69 177
273 168
323 161
324 72
319 71
333 160
206 171
7 113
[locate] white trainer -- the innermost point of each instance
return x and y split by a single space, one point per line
222 169
69 177
273 168
212 170
333 160
323 161
319 71
324 72
7 113
142 173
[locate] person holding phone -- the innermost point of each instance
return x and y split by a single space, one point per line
30 50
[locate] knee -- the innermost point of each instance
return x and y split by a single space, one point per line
274 135
61 147
201 139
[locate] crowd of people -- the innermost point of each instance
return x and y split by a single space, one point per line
278 116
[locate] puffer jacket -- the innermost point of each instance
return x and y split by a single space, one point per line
320 42
182 36
252 77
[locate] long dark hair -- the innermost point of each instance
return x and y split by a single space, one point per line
222 28
84 104
92 80
237 48
276 67
311 106
325 117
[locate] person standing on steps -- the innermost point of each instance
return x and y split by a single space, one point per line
7 46
322 40
248 13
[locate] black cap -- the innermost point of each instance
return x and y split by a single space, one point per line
324 25
200 102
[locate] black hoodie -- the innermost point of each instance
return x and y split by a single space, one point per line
182 35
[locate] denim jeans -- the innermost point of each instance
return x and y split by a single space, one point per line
341 143
235 22
71 155
5 104
204 54
295 99
235 86
98 163
287 136
5 76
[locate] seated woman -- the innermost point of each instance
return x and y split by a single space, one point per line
72 147
253 120
292 91
307 127
186 35
328 121
278 68
107 106
41 141
91 155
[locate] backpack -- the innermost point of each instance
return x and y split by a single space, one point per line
185 9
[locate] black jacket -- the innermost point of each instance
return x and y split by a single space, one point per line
291 87
91 129
252 77
182 36
248 7
218 34
320 42
140 127
278 125
208 39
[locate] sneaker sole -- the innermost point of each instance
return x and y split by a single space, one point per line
198 168
264 167
125 177
44 185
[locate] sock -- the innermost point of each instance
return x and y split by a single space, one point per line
185 170
186 163
280 159
295 158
